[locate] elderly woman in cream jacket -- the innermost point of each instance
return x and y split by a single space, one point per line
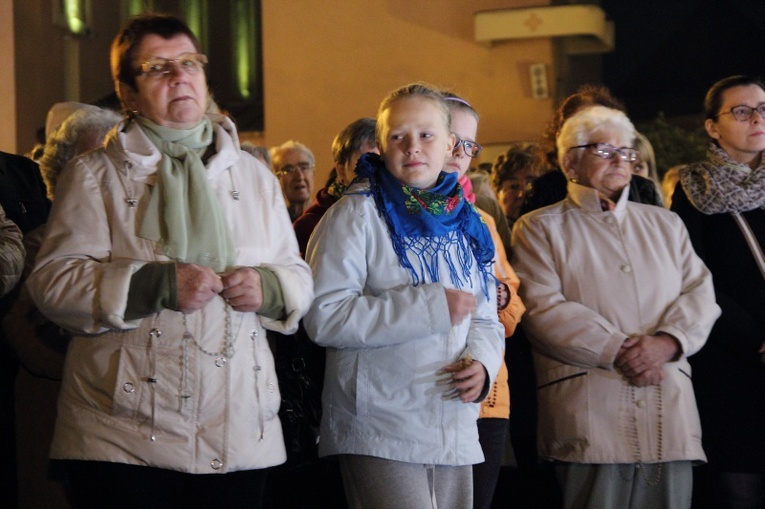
617 299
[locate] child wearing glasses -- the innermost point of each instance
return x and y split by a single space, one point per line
493 424
408 313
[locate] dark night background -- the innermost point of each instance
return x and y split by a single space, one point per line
669 52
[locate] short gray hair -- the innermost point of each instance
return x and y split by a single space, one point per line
584 124
278 152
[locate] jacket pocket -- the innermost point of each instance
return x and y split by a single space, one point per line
146 395
563 395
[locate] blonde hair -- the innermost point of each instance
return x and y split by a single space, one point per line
422 90
646 154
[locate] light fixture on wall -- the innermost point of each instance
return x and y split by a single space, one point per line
244 43
73 15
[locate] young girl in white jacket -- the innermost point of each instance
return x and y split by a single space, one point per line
406 304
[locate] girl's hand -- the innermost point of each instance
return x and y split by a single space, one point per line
467 378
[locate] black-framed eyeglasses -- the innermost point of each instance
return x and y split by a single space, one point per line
471 148
608 151
290 169
191 63
742 112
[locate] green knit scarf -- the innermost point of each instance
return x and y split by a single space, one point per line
183 215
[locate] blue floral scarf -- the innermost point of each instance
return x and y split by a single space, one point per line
426 223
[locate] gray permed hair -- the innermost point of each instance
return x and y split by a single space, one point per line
86 124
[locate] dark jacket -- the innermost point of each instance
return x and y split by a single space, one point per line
22 192
728 376
305 224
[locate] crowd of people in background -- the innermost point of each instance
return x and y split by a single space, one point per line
568 325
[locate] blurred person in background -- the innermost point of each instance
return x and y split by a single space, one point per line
260 152
512 173
294 164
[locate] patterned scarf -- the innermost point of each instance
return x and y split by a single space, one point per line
336 188
467 188
427 223
720 184
183 215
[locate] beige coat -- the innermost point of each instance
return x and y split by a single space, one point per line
157 391
590 279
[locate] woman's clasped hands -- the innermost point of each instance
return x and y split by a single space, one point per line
198 285
641 358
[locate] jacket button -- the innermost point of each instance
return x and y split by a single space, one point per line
128 387
216 464
640 403
625 268
220 361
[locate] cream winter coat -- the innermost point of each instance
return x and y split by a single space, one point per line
589 280
158 391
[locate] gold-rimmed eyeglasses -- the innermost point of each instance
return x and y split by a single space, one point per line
191 63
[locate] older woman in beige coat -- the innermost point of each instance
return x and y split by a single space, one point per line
616 300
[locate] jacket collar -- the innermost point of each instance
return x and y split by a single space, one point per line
588 198
128 144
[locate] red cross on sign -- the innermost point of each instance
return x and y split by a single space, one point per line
533 22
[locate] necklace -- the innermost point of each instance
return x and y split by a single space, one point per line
227 350
221 357
656 478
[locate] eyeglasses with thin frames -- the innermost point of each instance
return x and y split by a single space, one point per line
471 148
191 63
290 169
743 113
608 151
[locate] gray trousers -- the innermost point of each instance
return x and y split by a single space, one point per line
624 486
377 483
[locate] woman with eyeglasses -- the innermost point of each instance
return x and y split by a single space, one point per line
167 255
493 421
722 201
616 300
550 186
